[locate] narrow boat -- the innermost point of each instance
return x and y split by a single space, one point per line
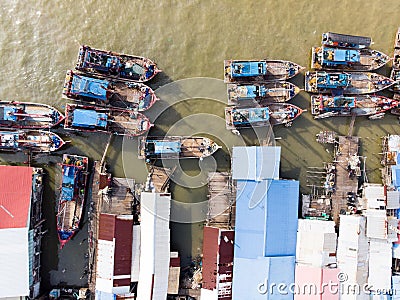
329 58
174 147
277 91
30 140
323 106
346 40
395 75
107 63
28 115
132 95
350 83
396 56
271 114
72 197
105 119
259 70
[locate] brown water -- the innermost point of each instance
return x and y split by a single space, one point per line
39 41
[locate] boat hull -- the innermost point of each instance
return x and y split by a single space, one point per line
115 65
323 106
274 70
176 147
28 115
72 197
30 140
105 119
345 40
356 83
261 93
103 92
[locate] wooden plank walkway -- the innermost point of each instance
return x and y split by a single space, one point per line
346 149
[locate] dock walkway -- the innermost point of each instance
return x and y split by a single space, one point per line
346 149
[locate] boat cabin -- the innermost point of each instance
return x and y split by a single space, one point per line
101 62
9 140
338 103
161 147
250 92
345 40
332 81
242 116
89 87
248 68
89 118
335 57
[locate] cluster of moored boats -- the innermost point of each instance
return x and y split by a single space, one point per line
342 83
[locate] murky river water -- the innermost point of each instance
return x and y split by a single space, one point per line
39 41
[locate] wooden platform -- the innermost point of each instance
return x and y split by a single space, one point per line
347 148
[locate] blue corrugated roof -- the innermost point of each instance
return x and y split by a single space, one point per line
249 68
89 87
281 218
256 163
89 118
258 278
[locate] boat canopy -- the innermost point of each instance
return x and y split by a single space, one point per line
345 40
333 57
339 102
332 81
248 68
250 91
250 115
8 113
89 118
100 61
166 147
89 87
68 183
9 139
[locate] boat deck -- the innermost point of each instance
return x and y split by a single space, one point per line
67 217
192 147
123 123
347 148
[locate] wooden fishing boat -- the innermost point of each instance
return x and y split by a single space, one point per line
72 196
345 40
174 147
105 119
324 106
329 58
271 114
267 92
104 92
395 75
350 83
259 70
28 115
396 56
108 63
30 140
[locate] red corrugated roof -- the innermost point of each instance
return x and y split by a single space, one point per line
15 196
210 257
123 247
106 227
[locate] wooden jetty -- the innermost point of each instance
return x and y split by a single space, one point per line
158 179
221 203
326 137
346 183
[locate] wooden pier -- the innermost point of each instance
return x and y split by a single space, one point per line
346 150
221 203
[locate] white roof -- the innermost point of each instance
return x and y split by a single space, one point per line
380 265
105 266
377 226
256 163
14 262
375 195
393 199
135 267
155 246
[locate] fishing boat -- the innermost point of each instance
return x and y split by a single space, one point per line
395 76
346 40
28 115
396 56
132 95
350 83
271 114
174 147
267 92
108 63
259 70
105 119
324 106
30 140
72 196
329 58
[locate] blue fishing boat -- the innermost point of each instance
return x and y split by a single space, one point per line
350 83
105 119
176 147
324 106
276 91
30 140
261 70
345 40
132 95
271 114
107 63
329 58
72 196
